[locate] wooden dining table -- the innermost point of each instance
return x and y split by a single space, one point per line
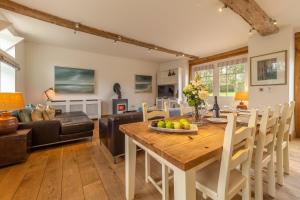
185 154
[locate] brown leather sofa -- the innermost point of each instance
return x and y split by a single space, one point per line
64 127
111 136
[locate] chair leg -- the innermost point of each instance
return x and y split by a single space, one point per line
147 167
279 165
165 182
286 159
247 190
271 178
258 182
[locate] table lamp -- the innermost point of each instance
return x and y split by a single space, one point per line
241 96
9 102
50 94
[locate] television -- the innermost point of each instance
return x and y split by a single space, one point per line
166 91
73 80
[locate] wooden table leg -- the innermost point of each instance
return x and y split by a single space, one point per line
184 185
130 165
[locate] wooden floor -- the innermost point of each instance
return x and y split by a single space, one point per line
83 170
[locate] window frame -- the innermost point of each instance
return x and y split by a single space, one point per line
235 76
216 73
212 77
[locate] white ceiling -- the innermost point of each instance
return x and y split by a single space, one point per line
192 26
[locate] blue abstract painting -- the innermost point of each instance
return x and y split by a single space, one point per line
74 80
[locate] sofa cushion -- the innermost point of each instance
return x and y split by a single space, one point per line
74 122
48 113
37 115
25 115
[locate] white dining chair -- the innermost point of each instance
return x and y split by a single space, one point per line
282 141
264 153
163 185
222 180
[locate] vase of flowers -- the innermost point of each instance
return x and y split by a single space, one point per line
196 94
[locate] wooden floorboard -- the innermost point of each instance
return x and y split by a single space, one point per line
82 170
52 182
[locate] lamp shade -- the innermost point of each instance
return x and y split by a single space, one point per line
50 94
11 101
241 96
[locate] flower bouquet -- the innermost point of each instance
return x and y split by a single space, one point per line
196 94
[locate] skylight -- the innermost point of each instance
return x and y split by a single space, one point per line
8 40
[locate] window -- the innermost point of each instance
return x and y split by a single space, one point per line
7 72
207 77
232 79
7 78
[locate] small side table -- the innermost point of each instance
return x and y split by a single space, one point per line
15 147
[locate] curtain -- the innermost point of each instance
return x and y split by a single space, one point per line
232 62
202 67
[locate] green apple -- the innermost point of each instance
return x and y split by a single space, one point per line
177 125
182 121
169 125
187 126
161 124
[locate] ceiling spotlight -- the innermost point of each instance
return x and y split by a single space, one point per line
182 55
251 30
222 8
119 37
149 50
274 21
155 48
77 25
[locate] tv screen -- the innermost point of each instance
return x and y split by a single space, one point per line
166 91
73 80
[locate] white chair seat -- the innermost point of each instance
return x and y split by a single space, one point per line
207 180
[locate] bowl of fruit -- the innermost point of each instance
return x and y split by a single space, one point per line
173 126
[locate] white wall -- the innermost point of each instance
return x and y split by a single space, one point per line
39 74
258 45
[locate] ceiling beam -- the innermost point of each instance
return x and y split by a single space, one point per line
46 17
254 15
4 24
220 56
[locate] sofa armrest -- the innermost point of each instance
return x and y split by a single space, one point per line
43 132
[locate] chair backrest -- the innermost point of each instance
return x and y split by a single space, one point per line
267 132
156 113
285 122
231 157
185 109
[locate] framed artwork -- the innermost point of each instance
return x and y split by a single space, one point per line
143 84
73 80
269 69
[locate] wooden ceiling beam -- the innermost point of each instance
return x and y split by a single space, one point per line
254 15
4 24
46 17
220 56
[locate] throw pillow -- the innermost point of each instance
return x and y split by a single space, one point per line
37 113
49 113
25 115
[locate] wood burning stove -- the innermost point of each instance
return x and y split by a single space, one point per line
120 106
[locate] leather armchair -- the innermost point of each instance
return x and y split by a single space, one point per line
111 136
